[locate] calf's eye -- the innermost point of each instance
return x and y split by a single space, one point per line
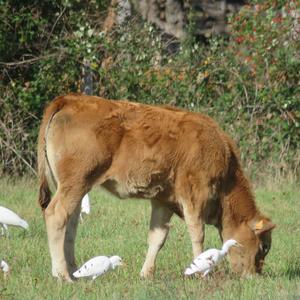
265 249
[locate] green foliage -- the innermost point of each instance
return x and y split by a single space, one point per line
42 46
248 82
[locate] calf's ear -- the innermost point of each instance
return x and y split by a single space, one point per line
261 225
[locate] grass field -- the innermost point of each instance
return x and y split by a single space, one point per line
120 227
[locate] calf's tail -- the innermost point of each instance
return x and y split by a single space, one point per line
44 189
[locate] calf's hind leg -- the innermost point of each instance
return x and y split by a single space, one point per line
60 218
69 246
159 228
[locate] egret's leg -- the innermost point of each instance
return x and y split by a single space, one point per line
206 272
159 228
6 229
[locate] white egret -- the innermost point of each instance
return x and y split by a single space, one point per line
97 266
85 206
4 266
8 217
207 260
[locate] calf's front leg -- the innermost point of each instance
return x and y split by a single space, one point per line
159 228
196 228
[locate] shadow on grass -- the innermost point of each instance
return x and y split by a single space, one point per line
293 268
291 271
4 293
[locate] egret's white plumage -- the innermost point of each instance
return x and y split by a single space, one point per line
207 260
4 266
97 266
8 217
85 205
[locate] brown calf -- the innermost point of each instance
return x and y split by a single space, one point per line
182 161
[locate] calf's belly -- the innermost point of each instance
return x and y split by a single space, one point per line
124 190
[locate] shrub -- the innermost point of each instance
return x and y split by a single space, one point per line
248 82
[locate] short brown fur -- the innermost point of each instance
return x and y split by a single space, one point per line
182 161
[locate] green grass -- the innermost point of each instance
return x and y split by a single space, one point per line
120 227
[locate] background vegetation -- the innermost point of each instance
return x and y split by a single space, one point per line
248 81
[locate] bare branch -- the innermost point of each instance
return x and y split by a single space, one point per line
27 61
20 156
54 25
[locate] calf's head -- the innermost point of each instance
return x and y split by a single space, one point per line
255 238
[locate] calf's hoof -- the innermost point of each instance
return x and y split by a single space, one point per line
147 274
63 277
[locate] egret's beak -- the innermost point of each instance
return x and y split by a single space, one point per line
122 264
238 245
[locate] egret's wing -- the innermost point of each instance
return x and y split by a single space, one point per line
211 254
207 260
203 264
202 267
105 267
192 269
